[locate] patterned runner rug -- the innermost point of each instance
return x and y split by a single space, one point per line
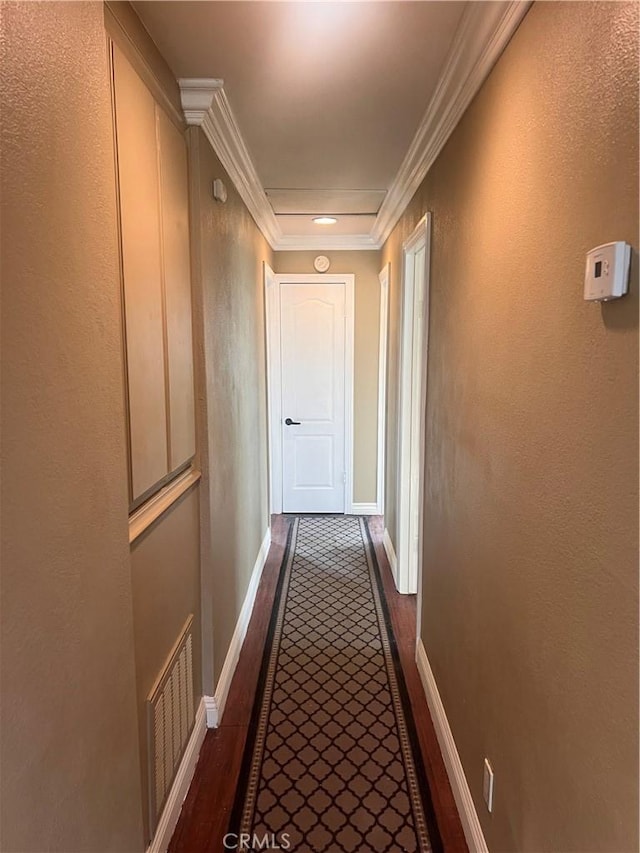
332 761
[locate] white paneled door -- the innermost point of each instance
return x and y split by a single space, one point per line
312 335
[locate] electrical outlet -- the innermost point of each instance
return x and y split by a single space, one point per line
487 785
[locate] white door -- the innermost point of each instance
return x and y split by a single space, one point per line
313 397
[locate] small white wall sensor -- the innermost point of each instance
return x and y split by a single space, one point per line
219 190
607 273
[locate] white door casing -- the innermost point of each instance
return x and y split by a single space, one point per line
383 277
413 373
272 341
310 379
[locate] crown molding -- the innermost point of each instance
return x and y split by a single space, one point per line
205 104
196 95
484 32
324 243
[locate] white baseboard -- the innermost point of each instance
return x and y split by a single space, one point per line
180 787
215 704
211 709
365 509
459 785
391 555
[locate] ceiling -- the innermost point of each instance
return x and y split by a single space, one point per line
334 108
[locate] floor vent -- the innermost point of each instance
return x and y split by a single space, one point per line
170 718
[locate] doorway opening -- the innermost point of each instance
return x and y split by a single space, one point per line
413 386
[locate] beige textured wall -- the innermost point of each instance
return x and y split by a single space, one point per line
165 560
530 596
228 256
70 771
165 576
365 266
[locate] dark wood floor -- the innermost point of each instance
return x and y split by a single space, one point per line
206 810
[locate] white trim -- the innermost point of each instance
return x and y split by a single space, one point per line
423 415
326 242
215 704
274 379
455 771
211 708
383 277
364 509
205 104
274 389
179 789
391 555
349 383
483 33
411 413
157 505
274 372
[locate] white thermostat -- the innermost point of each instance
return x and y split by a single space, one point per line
607 273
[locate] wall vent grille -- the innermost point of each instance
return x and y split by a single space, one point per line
170 718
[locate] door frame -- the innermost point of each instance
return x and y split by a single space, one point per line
272 291
383 277
412 413
274 398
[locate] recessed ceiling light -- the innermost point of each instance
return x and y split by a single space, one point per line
325 220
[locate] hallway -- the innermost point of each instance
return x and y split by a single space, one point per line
205 816
374 258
